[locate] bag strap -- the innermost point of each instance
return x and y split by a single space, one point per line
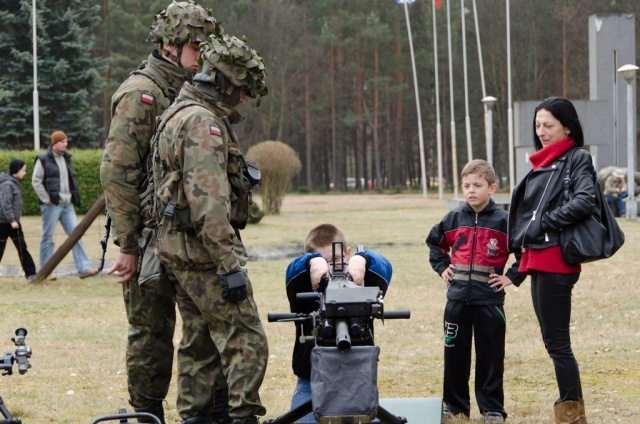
566 182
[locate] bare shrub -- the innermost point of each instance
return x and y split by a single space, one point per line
279 163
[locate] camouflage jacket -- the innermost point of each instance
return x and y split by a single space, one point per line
145 95
197 153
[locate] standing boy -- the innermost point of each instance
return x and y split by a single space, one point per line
304 275
468 249
10 213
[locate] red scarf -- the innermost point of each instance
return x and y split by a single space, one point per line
549 259
548 154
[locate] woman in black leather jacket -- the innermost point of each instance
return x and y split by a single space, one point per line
539 211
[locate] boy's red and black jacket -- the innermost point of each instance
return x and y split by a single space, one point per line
477 244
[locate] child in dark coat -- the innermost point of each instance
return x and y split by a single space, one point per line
10 213
469 250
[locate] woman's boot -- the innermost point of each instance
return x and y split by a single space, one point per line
567 412
583 416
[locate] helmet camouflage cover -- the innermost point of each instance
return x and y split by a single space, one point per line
184 22
237 61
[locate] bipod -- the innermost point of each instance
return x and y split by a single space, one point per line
6 414
382 417
122 416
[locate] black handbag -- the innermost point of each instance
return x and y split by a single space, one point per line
597 237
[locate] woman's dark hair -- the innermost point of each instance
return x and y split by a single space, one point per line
564 111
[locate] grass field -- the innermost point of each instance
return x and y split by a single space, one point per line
77 328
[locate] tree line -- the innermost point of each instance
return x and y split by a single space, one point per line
340 78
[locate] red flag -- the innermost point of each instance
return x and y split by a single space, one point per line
437 4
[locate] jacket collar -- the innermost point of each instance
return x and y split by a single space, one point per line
174 75
490 207
189 92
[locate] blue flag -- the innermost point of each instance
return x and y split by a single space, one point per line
404 1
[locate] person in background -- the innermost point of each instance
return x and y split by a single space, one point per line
305 273
10 213
57 188
469 250
538 213
615 191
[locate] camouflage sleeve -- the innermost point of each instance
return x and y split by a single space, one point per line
123 168
207 189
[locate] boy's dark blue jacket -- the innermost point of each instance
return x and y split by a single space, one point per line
475 243
298 280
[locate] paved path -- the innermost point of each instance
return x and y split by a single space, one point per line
255 254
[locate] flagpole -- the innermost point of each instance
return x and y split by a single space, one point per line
438 126
454 155
415 84
488 132
509 109
467 120
36 106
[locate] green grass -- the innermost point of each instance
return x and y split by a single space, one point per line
77 328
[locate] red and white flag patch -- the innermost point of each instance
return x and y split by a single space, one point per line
214 130
147 98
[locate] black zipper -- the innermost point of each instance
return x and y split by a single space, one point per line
473 253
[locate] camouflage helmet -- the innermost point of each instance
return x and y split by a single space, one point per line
236 61
184 22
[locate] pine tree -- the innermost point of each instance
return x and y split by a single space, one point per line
68 75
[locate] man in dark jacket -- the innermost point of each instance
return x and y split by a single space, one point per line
57 188
10 213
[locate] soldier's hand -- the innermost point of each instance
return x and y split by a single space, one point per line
234 286
125 267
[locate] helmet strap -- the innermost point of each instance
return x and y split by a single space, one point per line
177 59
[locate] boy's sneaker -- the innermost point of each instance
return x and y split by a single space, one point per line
493 417
450 415
31 277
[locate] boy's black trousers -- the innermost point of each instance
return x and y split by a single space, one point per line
487 325
17 236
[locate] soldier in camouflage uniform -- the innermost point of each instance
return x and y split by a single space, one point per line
204 204
177 32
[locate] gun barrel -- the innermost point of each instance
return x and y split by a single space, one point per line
343 339
308 296
405 314
276 317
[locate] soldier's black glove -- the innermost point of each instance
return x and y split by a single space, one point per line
234 286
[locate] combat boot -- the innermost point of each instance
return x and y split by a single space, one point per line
219 413
248 420
567 412
197 420
154 409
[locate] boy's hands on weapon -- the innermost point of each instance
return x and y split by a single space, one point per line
356 268
126 266
447 274
318 268
499 282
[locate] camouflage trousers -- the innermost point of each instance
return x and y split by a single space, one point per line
152 320
236 339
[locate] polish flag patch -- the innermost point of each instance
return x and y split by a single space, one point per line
214 130
146 98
